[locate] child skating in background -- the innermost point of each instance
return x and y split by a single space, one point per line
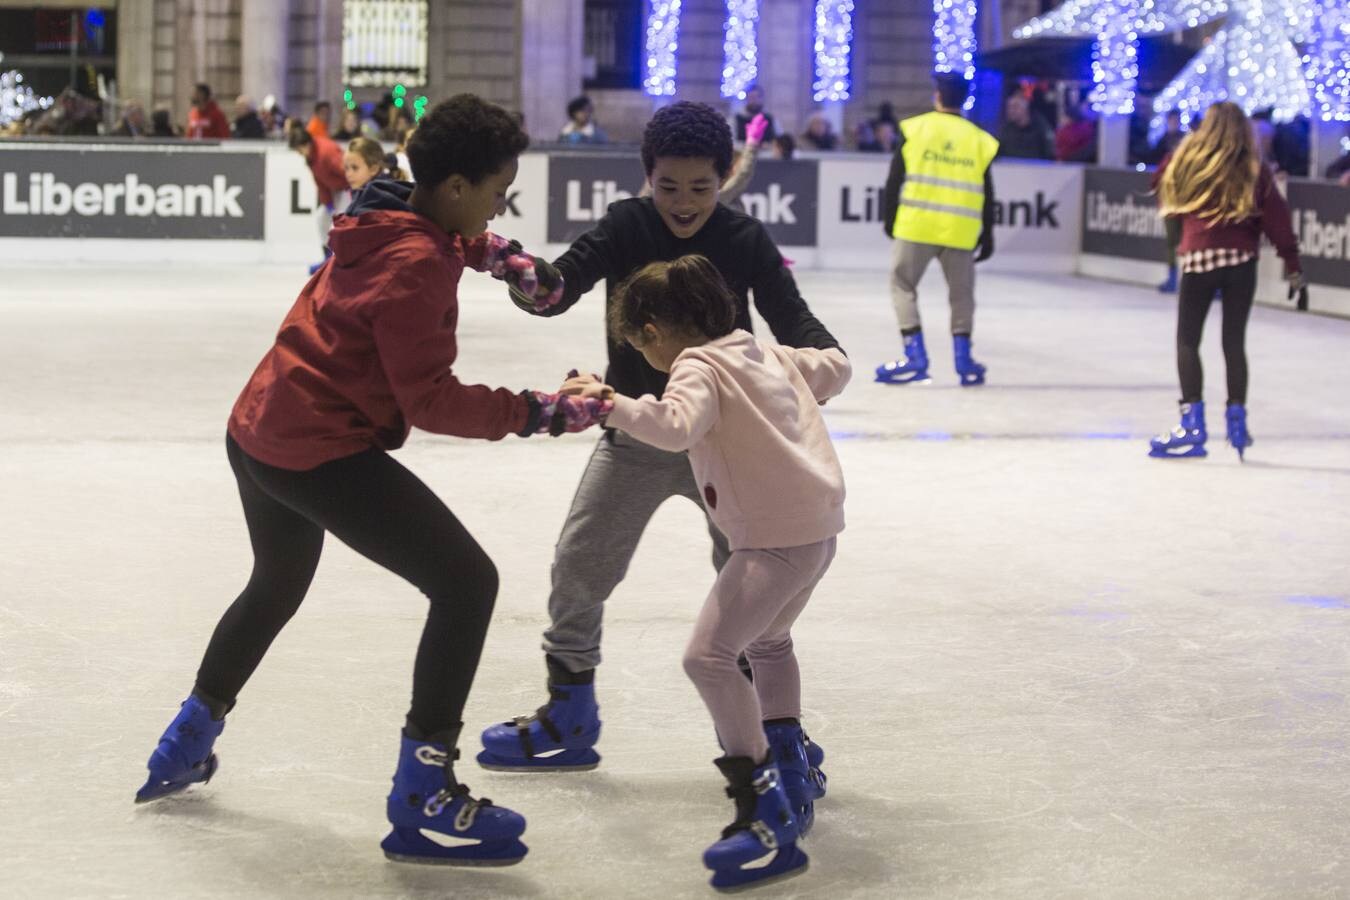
748 414
1226 199
365 160
364 355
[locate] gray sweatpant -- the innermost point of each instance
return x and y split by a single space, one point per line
624 482
908 263
757 597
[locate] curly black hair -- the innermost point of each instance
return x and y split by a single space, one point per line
687 294
688 130
464 135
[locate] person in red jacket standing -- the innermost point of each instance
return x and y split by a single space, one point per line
366 353
1226 199
324 158
205 118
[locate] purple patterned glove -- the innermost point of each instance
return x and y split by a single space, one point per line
533 284
559 413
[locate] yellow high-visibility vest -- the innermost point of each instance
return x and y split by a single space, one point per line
942 198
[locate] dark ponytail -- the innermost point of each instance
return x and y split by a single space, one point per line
686 294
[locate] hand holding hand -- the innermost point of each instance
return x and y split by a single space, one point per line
558 413
532 282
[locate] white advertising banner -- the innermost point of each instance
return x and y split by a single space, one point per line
1038 214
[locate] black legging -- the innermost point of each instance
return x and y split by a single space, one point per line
385 513
1237 286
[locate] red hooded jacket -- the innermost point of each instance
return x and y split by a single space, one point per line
208 122
366 351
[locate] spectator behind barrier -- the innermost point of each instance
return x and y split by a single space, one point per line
865 138
350 127
317 125
1169 141
247 124
133 122
205 119
819 134
887 135
273 118
162 124
1293 146
1024 135
784 147
581 127
1076 139
754 105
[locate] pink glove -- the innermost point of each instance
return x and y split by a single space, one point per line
533 284
559 413
755 128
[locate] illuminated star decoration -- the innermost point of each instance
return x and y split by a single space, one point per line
1326 59
833 45
663 32
740 51
17 98
954 39
1251 61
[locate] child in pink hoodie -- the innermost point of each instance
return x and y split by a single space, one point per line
748 413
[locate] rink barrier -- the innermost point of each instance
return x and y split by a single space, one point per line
253 202
1123 238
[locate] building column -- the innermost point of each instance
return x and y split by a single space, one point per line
136 52
263 43
328 55
787 64
551 42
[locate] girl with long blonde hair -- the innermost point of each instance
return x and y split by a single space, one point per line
1225 199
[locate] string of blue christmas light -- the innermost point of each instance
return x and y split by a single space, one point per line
740 49
833 46
663 32
1326 59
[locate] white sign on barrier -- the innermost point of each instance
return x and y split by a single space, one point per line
1038 214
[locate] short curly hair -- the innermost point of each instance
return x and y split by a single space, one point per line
464 135
687 130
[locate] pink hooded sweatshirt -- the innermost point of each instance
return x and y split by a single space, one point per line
748 413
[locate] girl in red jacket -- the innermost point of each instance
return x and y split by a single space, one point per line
365 354
1226 199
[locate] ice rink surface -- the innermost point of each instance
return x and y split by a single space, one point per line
1043 665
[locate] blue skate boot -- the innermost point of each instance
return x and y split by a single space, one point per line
559 737
1169 284
1186 439
184 755
764 825
911 367
1238 435
968 370
427 797
803 782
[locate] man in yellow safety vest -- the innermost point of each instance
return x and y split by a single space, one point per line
939 203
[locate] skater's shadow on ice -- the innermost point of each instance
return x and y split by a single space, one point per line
1283 467
859 838
271 855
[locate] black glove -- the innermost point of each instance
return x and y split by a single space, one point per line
1298 289
985 248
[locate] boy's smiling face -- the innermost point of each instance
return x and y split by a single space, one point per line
684 192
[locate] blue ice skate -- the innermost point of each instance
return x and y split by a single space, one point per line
803 782
1238 435
911 367
559 737
764 825
968 370
427 797
1186 439
184 755
1169 284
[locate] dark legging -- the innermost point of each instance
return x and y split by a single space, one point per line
382 511
1236 285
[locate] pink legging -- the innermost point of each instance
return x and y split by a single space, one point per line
751 608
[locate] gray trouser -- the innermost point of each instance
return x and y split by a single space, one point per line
958 267
624 482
